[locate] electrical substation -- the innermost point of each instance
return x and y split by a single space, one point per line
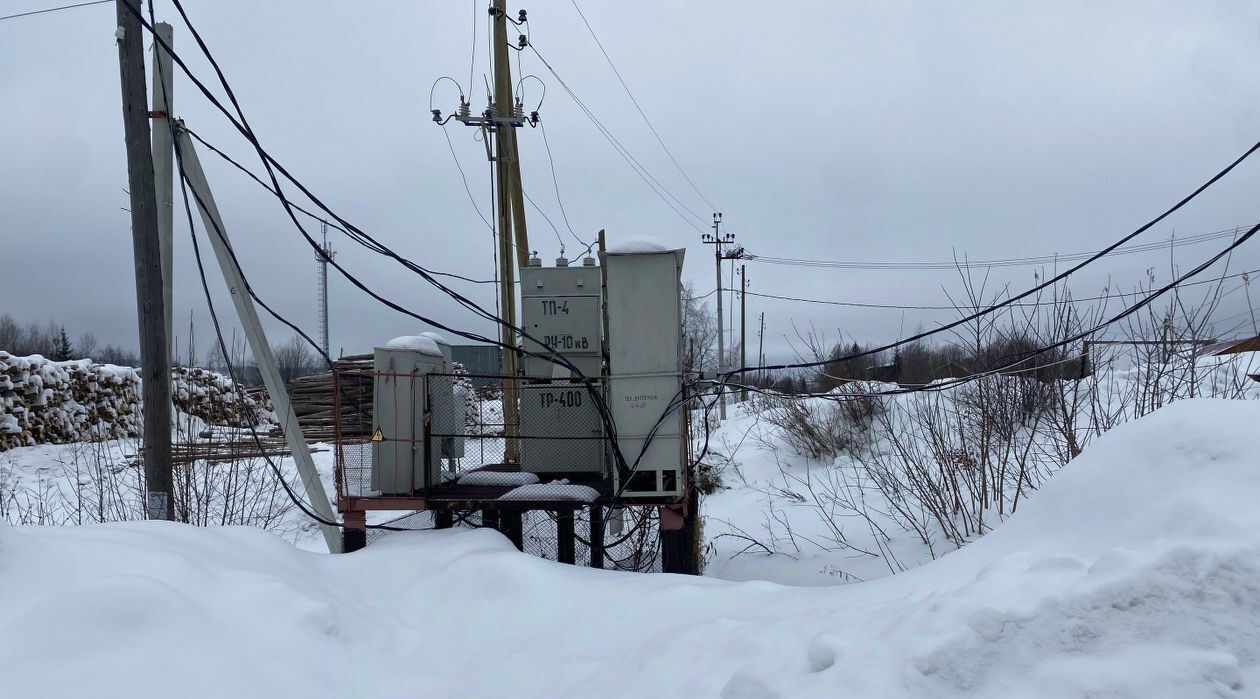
586 419
600 405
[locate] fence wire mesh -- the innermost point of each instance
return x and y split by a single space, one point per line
631 540
556 427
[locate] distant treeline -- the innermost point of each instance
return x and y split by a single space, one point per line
51 340
921 363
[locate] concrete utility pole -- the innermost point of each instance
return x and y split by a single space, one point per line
717 240
163 175
743 325
316 496
155 370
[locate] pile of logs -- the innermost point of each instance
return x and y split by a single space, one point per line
213 398
44 402
47 402
315 406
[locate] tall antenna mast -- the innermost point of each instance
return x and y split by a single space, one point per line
321 259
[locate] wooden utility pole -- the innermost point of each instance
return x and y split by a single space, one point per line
716 239
743 325
155 367
163 172
511 212
761 344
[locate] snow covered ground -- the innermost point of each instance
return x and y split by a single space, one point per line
1134 572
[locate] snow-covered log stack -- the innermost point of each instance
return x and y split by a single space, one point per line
213 398
47 402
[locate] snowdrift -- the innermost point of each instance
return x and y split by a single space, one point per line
1134 573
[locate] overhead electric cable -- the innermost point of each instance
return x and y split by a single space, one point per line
1044 285
1010 262
912 307
55 9
639 108
657 187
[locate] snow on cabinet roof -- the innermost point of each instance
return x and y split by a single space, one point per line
419 343
637 246
436 337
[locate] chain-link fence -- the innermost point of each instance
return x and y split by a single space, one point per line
415 432
630 534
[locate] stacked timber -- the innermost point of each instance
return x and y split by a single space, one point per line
47 402
213 398
318 409
319 412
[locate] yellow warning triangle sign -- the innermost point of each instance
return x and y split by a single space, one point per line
377 436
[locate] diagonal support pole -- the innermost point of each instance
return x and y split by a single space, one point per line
215 230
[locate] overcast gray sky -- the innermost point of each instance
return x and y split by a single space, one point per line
823 130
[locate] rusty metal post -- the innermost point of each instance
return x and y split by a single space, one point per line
566 543
443 519
353 531
597 536
512 527
678 547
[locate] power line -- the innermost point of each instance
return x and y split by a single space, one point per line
537 208
1009 262
227 158
371 243
647 121
659 189
556 182
911 307
1024 356
55 9
1049 282
464 179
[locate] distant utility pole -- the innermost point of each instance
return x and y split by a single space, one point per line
155 367
743 325
761 345
163 172
717 239
321 258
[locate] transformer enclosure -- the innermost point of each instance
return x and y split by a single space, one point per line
645 344
448 397
561 430
398 407
561 307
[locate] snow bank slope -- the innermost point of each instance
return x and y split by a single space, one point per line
1132 574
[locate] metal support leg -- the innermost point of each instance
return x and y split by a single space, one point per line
511 526
566 543
490 519
443 519
354 531
678 545
597 536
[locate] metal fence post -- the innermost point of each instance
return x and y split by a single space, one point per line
597 536
566 548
